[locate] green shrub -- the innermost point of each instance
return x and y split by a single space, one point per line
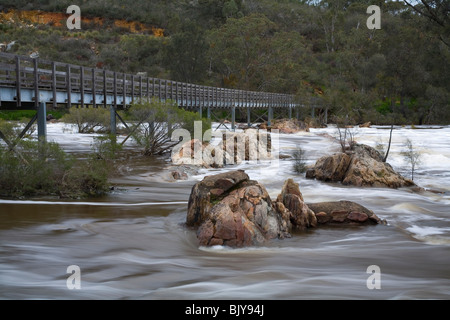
299 161
87 178
12 129
42 169
156 121
88 119
106 148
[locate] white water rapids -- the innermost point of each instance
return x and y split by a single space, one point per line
132 244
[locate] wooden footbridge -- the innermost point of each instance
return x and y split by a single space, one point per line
32 83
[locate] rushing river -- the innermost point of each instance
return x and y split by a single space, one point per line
132 244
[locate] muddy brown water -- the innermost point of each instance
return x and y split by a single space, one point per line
133 244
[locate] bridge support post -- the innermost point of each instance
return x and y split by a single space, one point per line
209 113
270 117
233 118
42 122
290 113
113 122
249 117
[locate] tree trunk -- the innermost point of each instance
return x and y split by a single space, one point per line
389 146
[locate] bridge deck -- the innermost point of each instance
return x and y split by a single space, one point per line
27 80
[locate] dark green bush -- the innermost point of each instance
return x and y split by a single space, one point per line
88 119
299 161
42 169
156 121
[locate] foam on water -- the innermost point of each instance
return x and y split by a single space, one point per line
135 245
431 235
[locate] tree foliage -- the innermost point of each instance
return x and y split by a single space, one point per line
88 120
320 50
155 121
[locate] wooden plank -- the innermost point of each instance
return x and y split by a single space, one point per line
36 83
54 84
115 89
148 90
104 89
195 96
153 87
124 90
18 83
192 95
165 89
94 91
182 95
203 96
216 97
140 88
68 86
132 88
82 86
176 93
200 102
159 90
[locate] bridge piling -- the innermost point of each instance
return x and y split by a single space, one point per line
113 121
18 83
233 118
270 117
42 122
36 82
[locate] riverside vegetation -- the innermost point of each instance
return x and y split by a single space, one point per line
319 50
35 168
44 169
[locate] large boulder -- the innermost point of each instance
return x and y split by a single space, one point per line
330 168
209 191
362 167
230 149
230 209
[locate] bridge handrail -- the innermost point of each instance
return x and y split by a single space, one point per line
21 72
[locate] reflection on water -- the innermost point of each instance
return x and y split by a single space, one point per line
133 243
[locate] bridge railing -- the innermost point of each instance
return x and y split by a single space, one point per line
25 73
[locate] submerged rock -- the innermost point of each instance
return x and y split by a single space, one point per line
363 167
344 212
